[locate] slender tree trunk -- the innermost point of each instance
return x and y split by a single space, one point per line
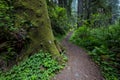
80 12
40 33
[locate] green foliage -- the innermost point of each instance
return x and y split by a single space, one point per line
106 59
82 37
12 39
40 66
59 20
99 13
6 15
104 46
98 19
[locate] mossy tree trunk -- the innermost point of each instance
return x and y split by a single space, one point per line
33 16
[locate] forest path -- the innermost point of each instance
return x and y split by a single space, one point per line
79 66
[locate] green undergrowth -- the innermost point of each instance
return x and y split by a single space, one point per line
59 37
103 45
40 66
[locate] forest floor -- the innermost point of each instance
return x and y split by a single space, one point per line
79 66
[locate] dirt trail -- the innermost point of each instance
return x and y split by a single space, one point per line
79 66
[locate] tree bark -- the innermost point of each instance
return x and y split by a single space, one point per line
80 13
33 15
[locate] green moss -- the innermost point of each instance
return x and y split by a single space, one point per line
40 33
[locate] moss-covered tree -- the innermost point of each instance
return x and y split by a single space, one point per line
32 15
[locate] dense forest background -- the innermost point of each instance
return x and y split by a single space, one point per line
31 31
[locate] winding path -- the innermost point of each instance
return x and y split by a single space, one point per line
79 66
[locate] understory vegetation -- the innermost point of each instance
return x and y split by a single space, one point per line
40 66
25 28
103 45
14 41
59 20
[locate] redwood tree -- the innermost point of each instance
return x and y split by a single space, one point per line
32 15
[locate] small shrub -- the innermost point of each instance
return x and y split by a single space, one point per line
40 66
104 46
59 20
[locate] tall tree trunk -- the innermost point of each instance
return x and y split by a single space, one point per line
80 12
61 3
33 15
